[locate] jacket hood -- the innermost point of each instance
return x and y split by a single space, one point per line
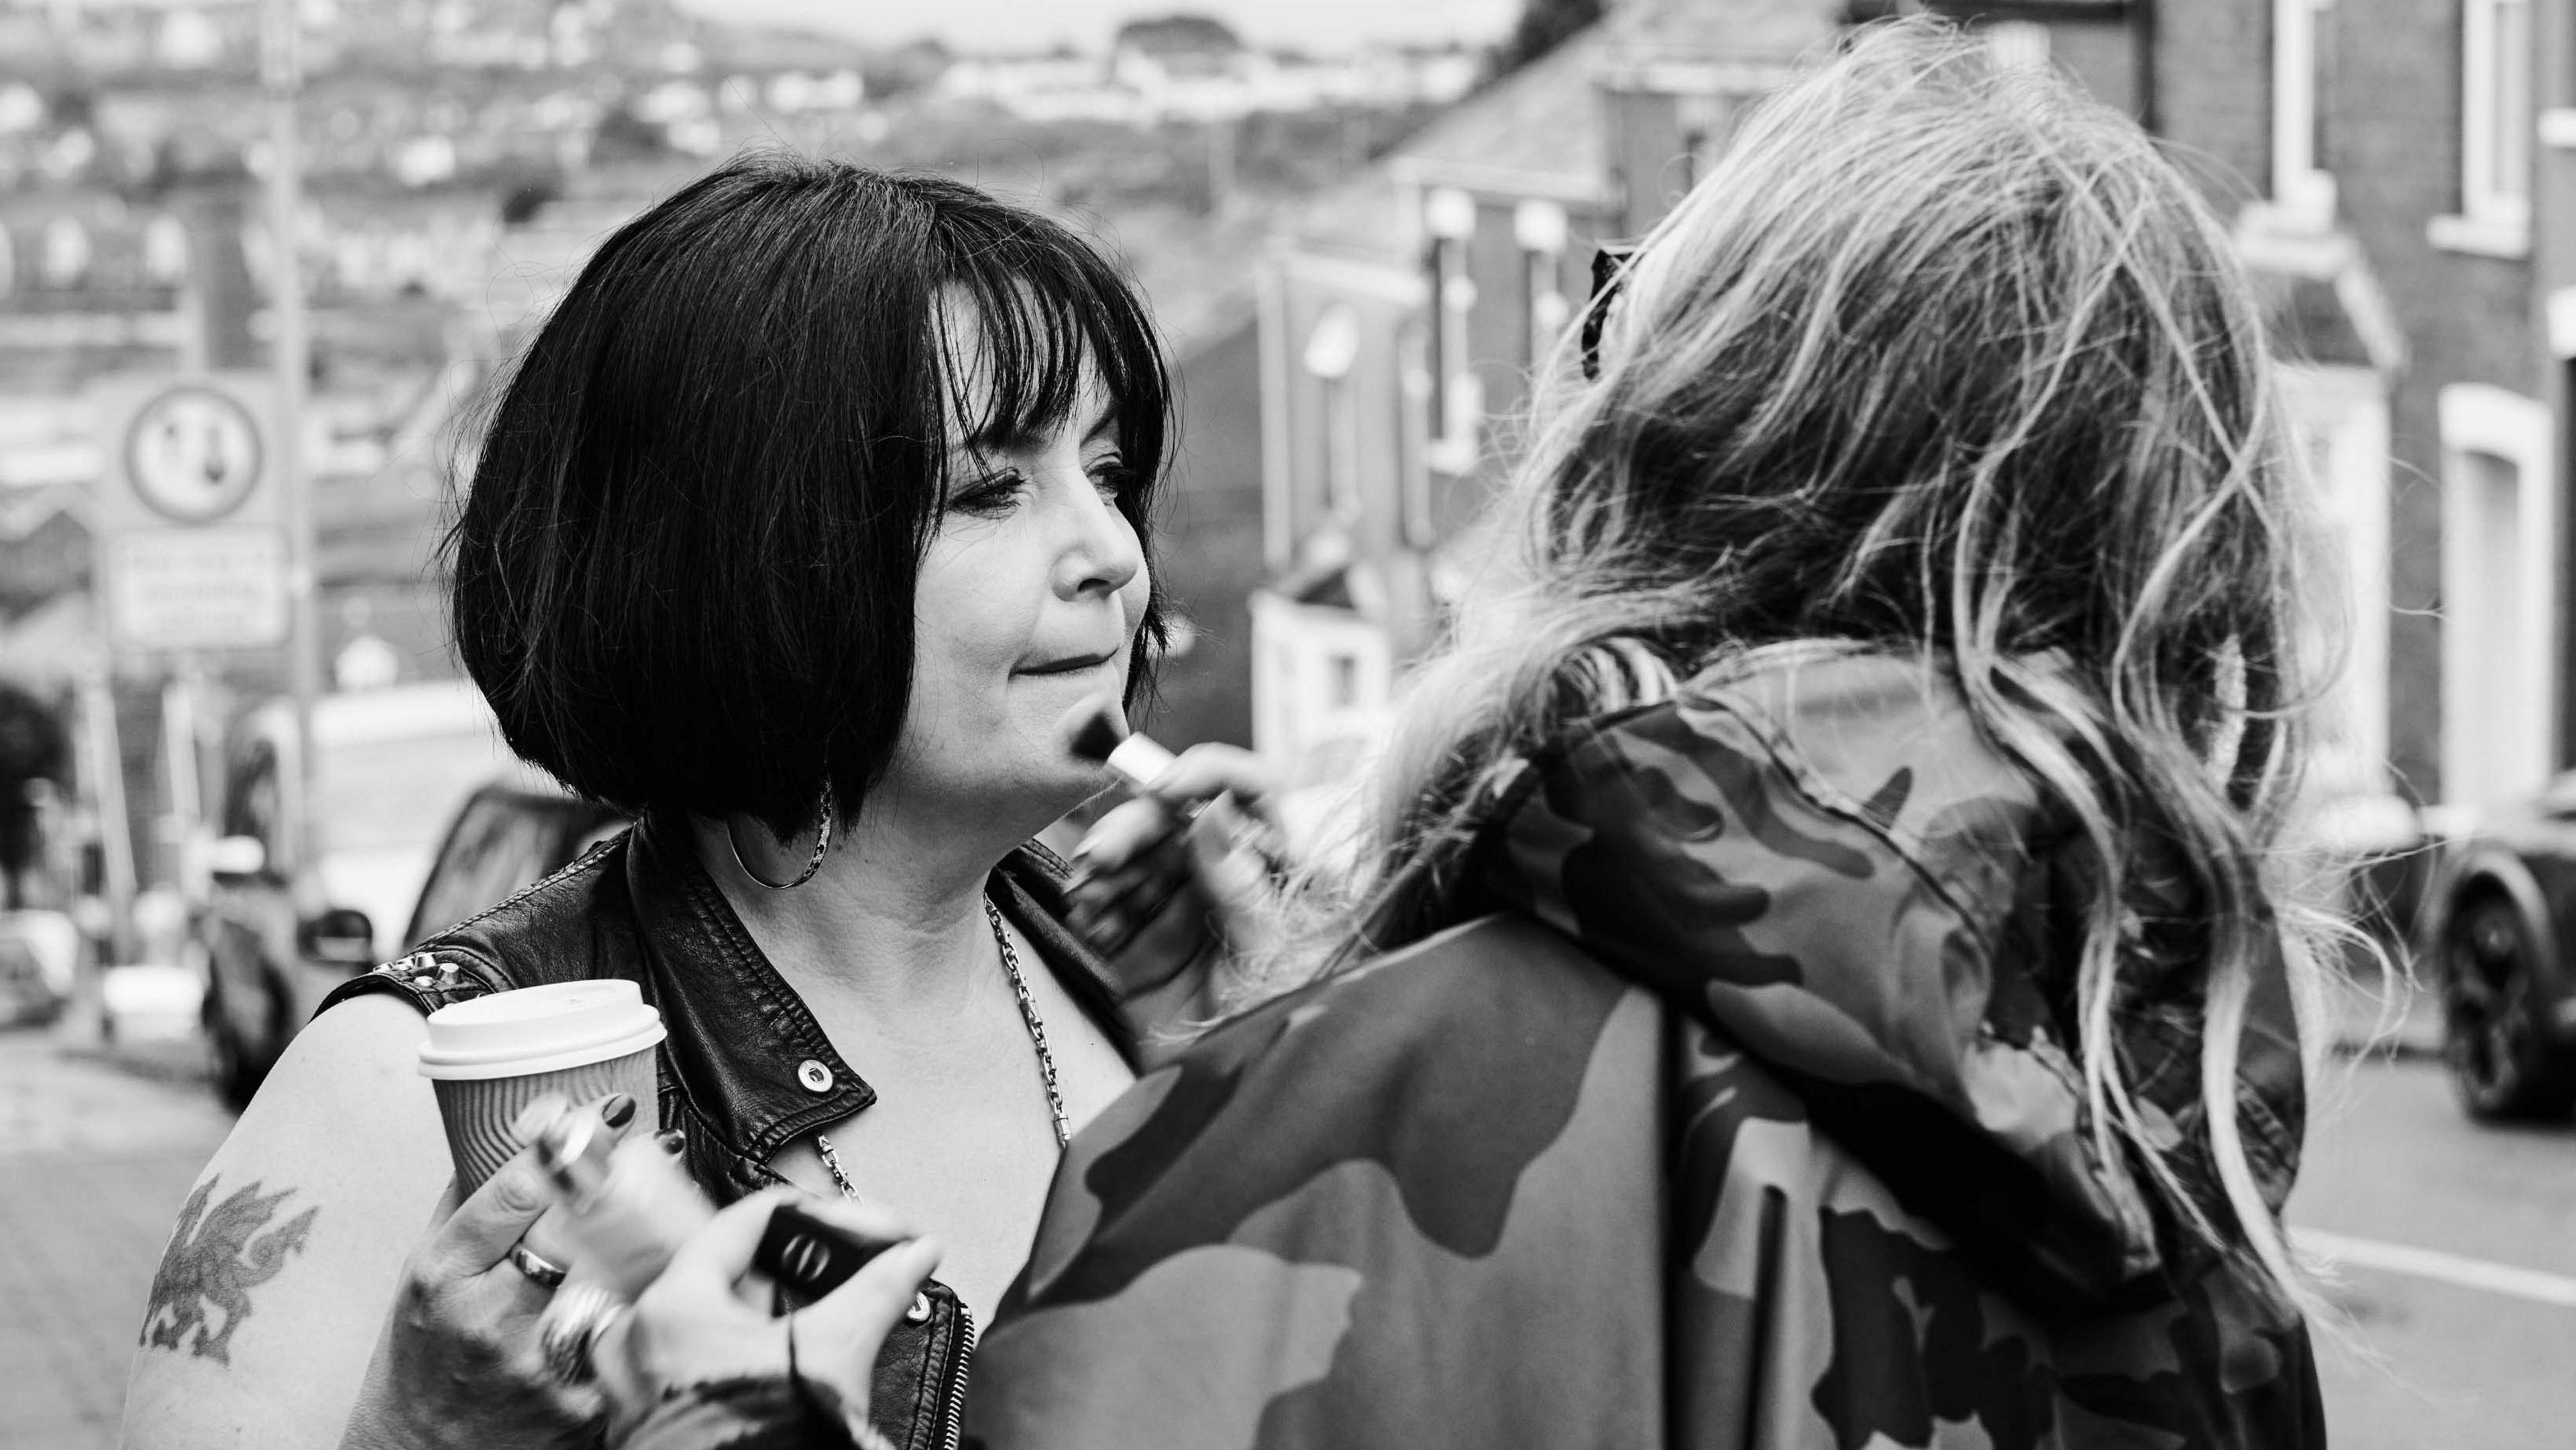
1820 853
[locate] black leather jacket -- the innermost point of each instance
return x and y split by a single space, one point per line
746 1069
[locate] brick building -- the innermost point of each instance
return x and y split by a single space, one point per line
2400 177
2396 171
1402 317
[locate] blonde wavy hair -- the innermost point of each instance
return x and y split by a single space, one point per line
1946 359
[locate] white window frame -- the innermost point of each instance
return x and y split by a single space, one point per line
2495 208
2303 191
1413 407
165 250
2346 410
1540 226
1294 712
66 254
2559 312
1703 117
2478 418
1449 220
1332 350
2017 44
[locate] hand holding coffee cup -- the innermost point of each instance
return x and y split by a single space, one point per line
490 1057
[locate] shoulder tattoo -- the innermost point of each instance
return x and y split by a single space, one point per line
217 1255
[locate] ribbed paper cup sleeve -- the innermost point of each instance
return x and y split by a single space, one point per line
489 1056
478 1111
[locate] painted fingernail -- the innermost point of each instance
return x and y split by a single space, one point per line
618 1111
674 1141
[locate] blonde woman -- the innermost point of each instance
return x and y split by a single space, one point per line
1824 980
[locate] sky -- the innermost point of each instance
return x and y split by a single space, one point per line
1022 25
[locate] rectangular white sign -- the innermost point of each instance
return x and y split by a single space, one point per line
208 587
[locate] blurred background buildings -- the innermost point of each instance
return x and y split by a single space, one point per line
1361 251
1360 256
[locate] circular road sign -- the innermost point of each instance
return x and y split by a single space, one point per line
193 454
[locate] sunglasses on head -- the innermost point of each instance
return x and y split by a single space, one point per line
1609 273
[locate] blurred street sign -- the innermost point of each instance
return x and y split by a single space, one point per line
190 552
206 588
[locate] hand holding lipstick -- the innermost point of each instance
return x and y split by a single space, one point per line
1173 880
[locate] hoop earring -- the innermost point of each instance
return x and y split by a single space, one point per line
822 844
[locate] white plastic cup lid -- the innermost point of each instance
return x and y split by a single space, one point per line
539 1029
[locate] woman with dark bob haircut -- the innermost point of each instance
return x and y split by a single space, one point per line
815 506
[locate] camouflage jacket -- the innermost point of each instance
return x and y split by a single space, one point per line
1738 1111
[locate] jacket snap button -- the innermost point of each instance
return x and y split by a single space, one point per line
919 1313
816 1077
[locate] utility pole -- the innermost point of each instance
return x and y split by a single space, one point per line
282 76
1220 161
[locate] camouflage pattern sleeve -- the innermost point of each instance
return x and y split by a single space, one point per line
1354 1217
1814 1309
1486 1193
1744 1115
1830 863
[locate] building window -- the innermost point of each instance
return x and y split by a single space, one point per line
2017 44
1319 700
1703 119
165 250
1457 399
1331 350
2497 123
2499 596
1540 228
65 259
1412 402
2302 187
2339 418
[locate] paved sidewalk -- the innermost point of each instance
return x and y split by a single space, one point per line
97 1152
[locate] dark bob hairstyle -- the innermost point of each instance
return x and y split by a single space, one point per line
684 572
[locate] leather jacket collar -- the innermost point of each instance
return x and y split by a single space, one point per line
746 1068
746 1062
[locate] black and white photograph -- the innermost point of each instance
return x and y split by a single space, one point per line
1287 724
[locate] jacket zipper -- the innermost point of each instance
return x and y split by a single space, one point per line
953 1420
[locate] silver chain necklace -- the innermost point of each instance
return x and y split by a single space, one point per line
1037 1035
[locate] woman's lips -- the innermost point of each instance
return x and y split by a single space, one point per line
1069 666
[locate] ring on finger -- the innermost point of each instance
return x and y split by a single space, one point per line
570 1327
536 1267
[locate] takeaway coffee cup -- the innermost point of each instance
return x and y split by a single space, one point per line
488 1057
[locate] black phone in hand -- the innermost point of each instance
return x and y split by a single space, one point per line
808 1258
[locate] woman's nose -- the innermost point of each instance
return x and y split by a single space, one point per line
1102 554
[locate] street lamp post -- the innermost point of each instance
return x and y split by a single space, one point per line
281 75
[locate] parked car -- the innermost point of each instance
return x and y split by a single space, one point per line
391 767
2497 920
506 837
37 952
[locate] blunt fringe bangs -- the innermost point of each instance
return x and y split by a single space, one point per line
683 573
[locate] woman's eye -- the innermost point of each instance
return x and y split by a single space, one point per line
987 496
1111 476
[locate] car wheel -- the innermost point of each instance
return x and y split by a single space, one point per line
2502 1064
